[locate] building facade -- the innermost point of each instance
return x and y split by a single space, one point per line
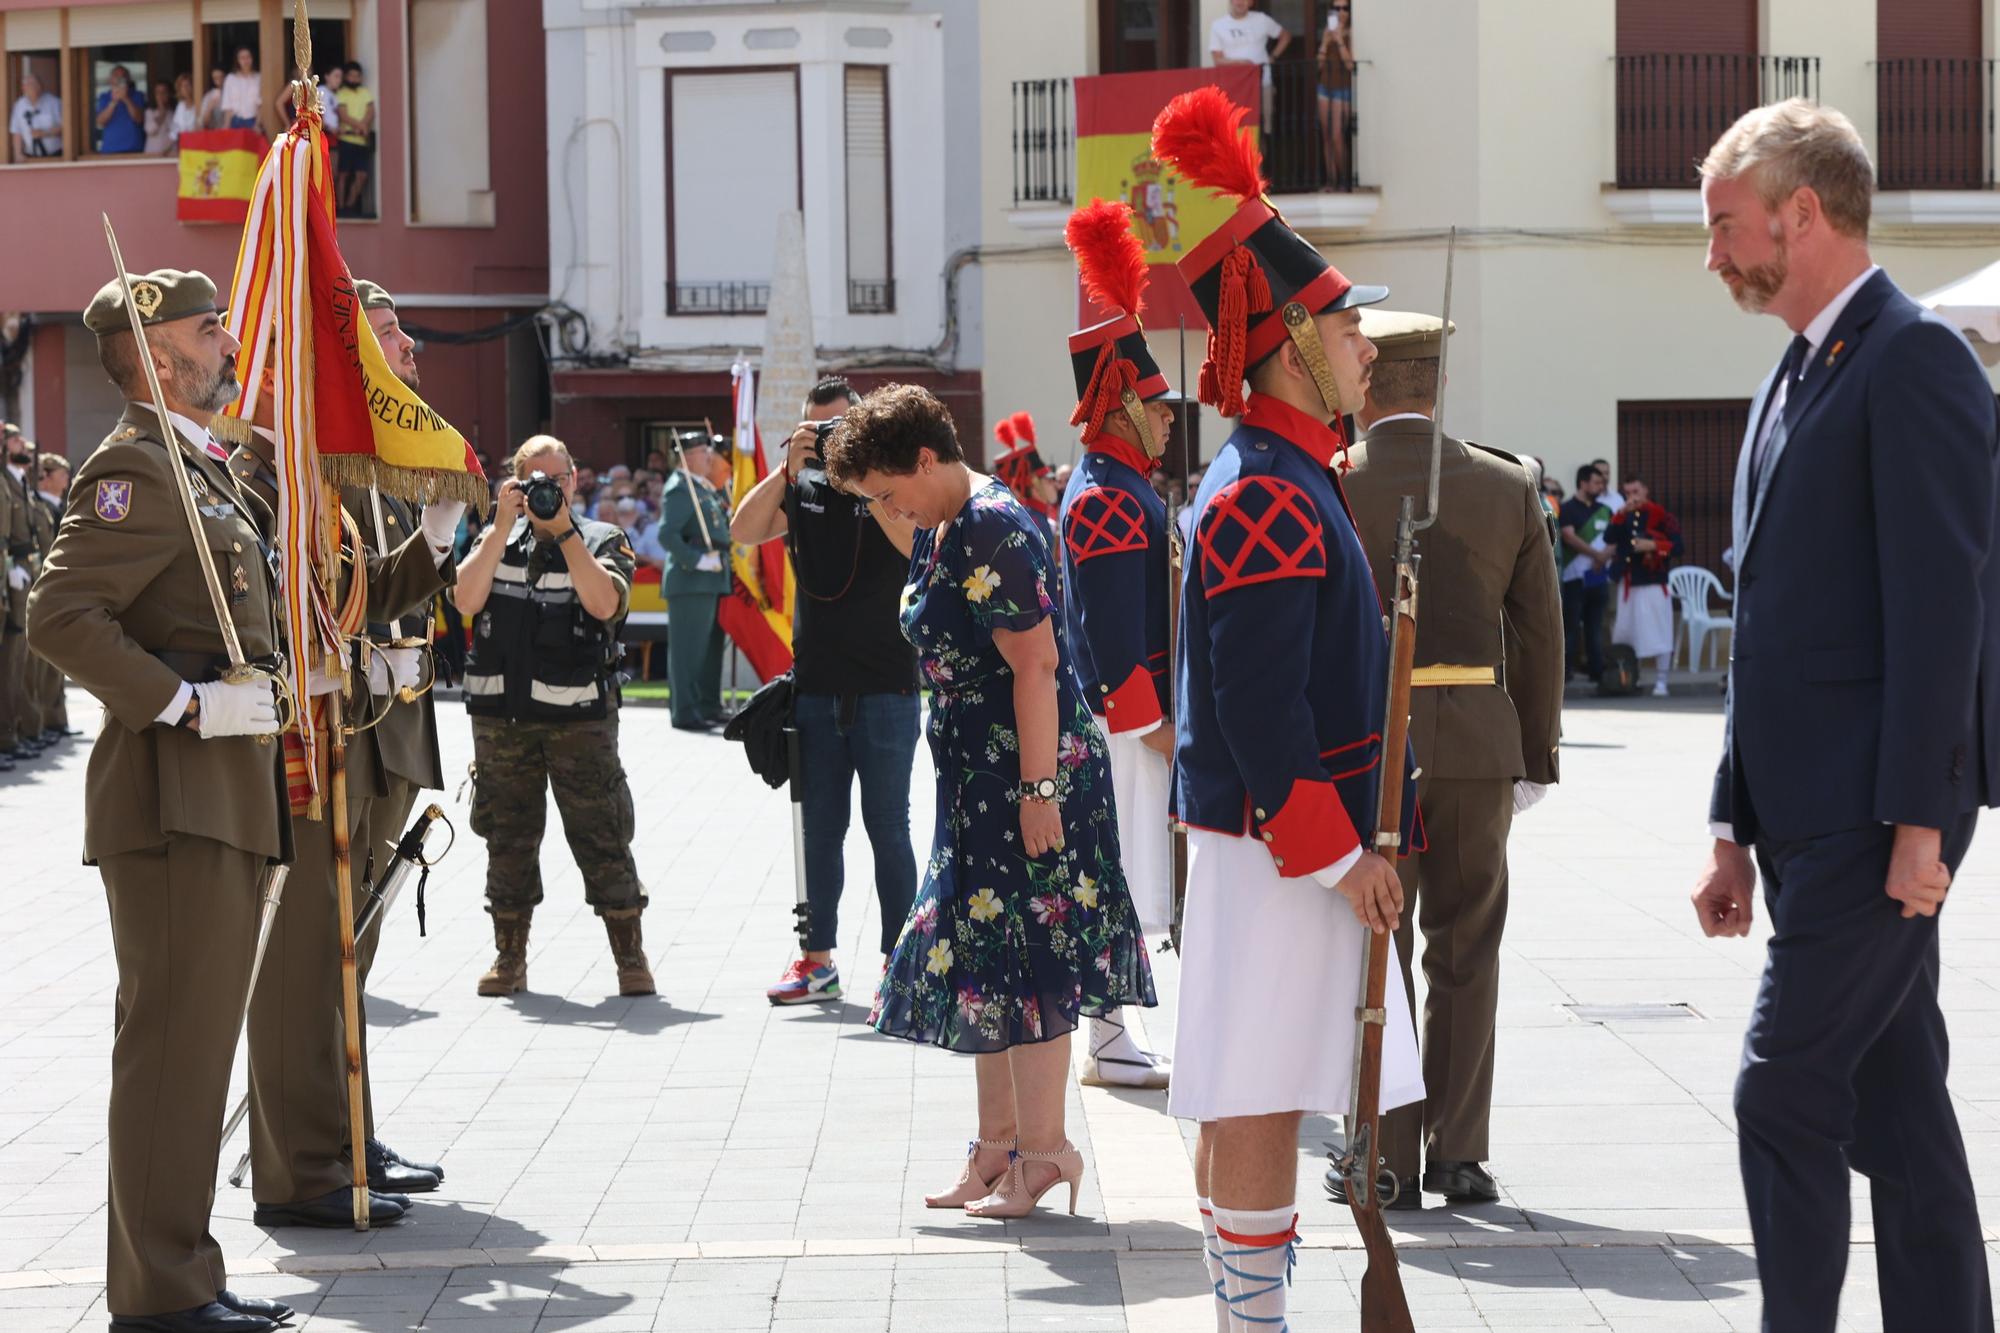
454 220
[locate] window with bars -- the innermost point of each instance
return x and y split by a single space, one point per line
1686 452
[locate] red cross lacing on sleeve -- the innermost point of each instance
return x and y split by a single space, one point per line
1258 529
1103 521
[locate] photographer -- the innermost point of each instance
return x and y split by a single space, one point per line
547 594
856 706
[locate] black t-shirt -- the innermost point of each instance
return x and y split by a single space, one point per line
846 637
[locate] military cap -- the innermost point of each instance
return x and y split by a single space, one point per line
162 296
372 296
9 428
1400 335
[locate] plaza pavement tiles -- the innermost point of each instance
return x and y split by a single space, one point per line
703 1161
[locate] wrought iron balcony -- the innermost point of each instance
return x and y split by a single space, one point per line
1671 108
1934 124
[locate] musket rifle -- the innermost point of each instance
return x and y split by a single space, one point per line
1384 1308
1177 854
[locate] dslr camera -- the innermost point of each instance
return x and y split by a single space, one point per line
544 495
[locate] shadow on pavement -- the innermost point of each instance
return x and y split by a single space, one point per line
644 1014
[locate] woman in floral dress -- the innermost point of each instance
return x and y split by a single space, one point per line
1023 925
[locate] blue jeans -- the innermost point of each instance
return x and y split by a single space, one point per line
874 736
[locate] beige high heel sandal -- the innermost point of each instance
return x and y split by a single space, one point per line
1012 1199
970 1187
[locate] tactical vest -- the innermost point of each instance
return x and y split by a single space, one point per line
536 653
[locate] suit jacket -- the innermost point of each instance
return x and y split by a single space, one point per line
681 535
1865 671
1487 597
122 584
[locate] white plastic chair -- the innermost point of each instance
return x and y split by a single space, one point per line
1690 586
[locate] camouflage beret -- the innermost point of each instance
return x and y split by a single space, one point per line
164 295
1399 335
371 295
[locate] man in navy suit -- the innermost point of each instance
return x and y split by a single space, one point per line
1863 730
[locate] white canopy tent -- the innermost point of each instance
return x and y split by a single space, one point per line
1972 304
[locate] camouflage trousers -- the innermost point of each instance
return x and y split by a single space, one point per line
519 763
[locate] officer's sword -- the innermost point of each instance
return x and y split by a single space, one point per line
1384 1308
382 895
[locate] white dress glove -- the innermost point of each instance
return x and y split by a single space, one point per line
18 576
1527 795
392 669
246 709
440 526
710 563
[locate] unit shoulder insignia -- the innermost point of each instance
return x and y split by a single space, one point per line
1258 529
1103 520
114 501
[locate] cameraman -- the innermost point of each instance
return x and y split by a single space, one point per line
547 593
856 705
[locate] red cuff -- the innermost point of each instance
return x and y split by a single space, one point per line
1310 831
1132 705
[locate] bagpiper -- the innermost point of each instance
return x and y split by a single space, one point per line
1114 570
1279 704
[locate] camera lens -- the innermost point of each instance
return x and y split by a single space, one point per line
544 497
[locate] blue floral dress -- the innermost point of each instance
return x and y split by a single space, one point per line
1001 948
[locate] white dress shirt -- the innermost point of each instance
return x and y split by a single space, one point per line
1815 333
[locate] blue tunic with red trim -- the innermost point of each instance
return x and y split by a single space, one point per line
1114 561
1283 658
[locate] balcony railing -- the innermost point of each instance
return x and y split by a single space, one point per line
718 298
1934 124
1044 142
1672 108
1308 140
871 298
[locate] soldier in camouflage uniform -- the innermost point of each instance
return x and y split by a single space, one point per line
547 597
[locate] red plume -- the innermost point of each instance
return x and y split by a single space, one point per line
1109 256
1024 426
1199 134
1003 431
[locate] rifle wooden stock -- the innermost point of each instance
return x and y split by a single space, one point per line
1177 853
1384 1307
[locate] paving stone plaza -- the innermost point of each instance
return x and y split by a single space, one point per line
702 1161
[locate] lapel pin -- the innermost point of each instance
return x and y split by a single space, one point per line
1834 353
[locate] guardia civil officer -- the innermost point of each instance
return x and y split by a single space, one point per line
185 806
1485 717
694 530
301 1146
547 593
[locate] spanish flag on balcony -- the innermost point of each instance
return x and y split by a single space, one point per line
757 615
218 174
1114 160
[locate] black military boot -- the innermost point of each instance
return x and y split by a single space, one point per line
390 1174
1460 1182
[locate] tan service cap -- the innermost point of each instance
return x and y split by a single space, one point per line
372 296
164 295
1400 335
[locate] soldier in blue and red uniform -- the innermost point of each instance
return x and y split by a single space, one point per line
1114 564
1279 700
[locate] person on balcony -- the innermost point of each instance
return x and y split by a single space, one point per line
1243 36
242 93
36 121
120 117
160 121
1336 96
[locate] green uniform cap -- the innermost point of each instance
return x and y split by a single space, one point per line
164 295
1399 335
371 295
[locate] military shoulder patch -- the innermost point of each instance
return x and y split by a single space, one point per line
114 500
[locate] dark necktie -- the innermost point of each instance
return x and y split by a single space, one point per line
1790 372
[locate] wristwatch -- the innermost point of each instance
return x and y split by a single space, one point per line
1042 789
567 533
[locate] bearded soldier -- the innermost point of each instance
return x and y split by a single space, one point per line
184 807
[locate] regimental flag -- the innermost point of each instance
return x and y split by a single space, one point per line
757 614
218 174
1114 160
314 377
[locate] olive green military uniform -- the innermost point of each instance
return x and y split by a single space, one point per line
17 537
1485 711
405 740
179 827
694 640
299 1136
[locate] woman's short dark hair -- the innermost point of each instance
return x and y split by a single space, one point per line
884 432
